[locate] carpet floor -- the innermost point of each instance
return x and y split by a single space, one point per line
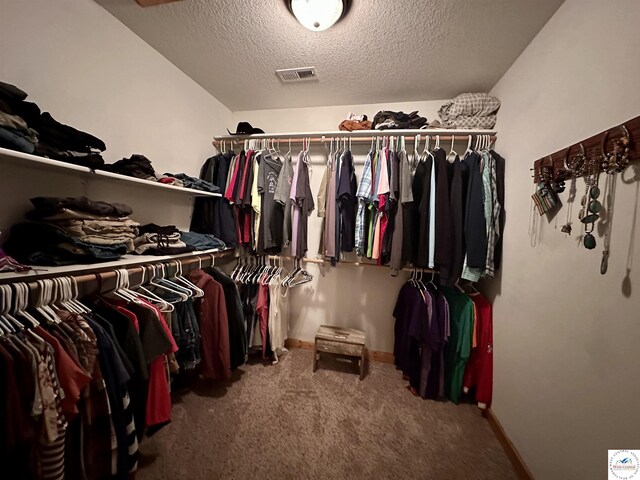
285 422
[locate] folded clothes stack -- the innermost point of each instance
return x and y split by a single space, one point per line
24 128
64 231
190 182
386 119
355 122
159 240
202 241
469 110
138 166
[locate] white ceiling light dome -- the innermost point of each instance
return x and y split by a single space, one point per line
318 15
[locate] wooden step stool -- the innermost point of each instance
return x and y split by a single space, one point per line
339 341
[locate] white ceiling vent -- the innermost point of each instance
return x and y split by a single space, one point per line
297 74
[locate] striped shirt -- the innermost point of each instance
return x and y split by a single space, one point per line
363 194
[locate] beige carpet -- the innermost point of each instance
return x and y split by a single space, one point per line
285 422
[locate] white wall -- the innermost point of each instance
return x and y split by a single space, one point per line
566 337
78 62
347 295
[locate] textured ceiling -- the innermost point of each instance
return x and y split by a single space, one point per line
382 51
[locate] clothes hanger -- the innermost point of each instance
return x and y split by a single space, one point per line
46 298
6 326
301 277
6 321
412 277
468 150
167 280
62 296
152 297
181 280
22 303
432 282
184 297
451 150
73 285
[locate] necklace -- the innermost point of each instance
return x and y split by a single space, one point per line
610 196
590 206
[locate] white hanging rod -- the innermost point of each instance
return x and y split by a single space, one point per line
444 133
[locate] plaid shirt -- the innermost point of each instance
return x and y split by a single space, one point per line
470 110
493 229
364 195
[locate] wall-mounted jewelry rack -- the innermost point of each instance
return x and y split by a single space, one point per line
595 151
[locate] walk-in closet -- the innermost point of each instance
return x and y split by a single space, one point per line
319 239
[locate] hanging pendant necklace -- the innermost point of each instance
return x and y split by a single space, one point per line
590 206
566 228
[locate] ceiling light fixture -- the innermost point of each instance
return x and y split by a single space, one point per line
318 15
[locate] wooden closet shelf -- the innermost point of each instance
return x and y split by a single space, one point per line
127 261
35 161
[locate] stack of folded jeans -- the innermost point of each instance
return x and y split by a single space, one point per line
64 231
24 128
191 182
202 241
159 240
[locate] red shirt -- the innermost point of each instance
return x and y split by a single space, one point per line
214 327
479 370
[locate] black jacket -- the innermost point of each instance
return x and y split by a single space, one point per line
215 215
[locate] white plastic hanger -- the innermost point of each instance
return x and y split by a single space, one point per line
180 279
22 303
165 285
46 298
152 297
6 326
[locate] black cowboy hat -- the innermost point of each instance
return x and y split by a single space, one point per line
245 128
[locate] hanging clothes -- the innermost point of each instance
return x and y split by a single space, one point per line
271 213
479 369
421 332
458 348
278 322
214 215
322 206
364 197
303 205
214 327
331 212
443 231
346 197
282 195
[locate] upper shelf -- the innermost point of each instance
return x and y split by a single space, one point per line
362 133
19 158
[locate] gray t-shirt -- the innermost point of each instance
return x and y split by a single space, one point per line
271 212
281 195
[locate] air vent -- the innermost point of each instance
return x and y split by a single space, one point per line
297 74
